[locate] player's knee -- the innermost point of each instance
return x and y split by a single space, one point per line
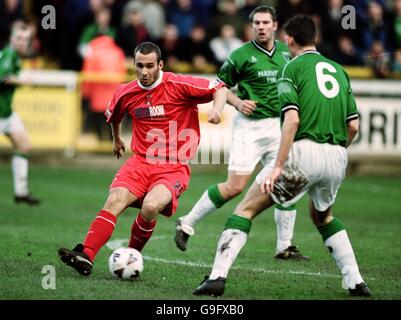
24 148
150 210
320 218
115 200
234 190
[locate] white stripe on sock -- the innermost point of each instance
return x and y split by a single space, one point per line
114 225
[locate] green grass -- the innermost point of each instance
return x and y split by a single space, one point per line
30 237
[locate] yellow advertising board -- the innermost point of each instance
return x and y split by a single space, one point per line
52 116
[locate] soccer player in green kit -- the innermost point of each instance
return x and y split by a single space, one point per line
10 123
319 121
256 128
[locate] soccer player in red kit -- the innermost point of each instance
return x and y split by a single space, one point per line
165 136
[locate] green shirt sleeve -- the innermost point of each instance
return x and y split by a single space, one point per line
287 91
7 65
352 111
228 72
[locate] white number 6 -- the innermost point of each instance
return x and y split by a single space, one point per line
323 79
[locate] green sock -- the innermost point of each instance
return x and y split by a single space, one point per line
215 196
238 222
330 229
290 208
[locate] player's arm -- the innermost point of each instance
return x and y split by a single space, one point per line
118 142
288 132
114 114
352 129
230 74
8 74
219 101
244 106
352 114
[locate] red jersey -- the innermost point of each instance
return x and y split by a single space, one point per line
165 124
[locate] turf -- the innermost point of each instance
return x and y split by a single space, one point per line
368 206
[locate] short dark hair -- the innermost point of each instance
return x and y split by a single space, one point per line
148 47
302 29
264 9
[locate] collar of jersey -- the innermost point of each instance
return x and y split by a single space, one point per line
154 85
269 53
309 51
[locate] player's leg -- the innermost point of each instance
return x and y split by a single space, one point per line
284 217
154 202
20 161
233 240
333 162
129 185
100 230
240 167
212 199
336 240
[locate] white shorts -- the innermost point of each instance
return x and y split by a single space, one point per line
11 124
325 165
253 140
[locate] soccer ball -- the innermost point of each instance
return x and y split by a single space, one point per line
126 263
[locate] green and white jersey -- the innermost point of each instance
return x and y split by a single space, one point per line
255 70
10 64
319 89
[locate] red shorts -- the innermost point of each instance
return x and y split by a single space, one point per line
139 177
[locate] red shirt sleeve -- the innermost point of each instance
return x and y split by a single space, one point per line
115 110
198 90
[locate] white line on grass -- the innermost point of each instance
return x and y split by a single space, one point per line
262 270
115 244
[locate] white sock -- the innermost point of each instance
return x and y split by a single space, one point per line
20 174
201 209
285 221
230 244
341 250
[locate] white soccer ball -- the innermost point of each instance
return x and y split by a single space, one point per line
126 263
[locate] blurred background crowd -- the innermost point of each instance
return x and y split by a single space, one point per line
197 35
98 37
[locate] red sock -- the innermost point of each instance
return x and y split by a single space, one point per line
99 233
141 231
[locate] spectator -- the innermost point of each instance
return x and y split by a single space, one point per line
378 60
203 10
375 28
347 52
132 32
106 59
396 23
397 61
10 11
288 8
226 43
196 51
331 28
100 26
247 8
183 17
228 14
169 44
153 16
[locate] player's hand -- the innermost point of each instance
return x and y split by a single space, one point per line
268 185
214 117
119 147
247 107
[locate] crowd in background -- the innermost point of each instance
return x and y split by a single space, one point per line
197 35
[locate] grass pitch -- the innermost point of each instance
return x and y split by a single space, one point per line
369 208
